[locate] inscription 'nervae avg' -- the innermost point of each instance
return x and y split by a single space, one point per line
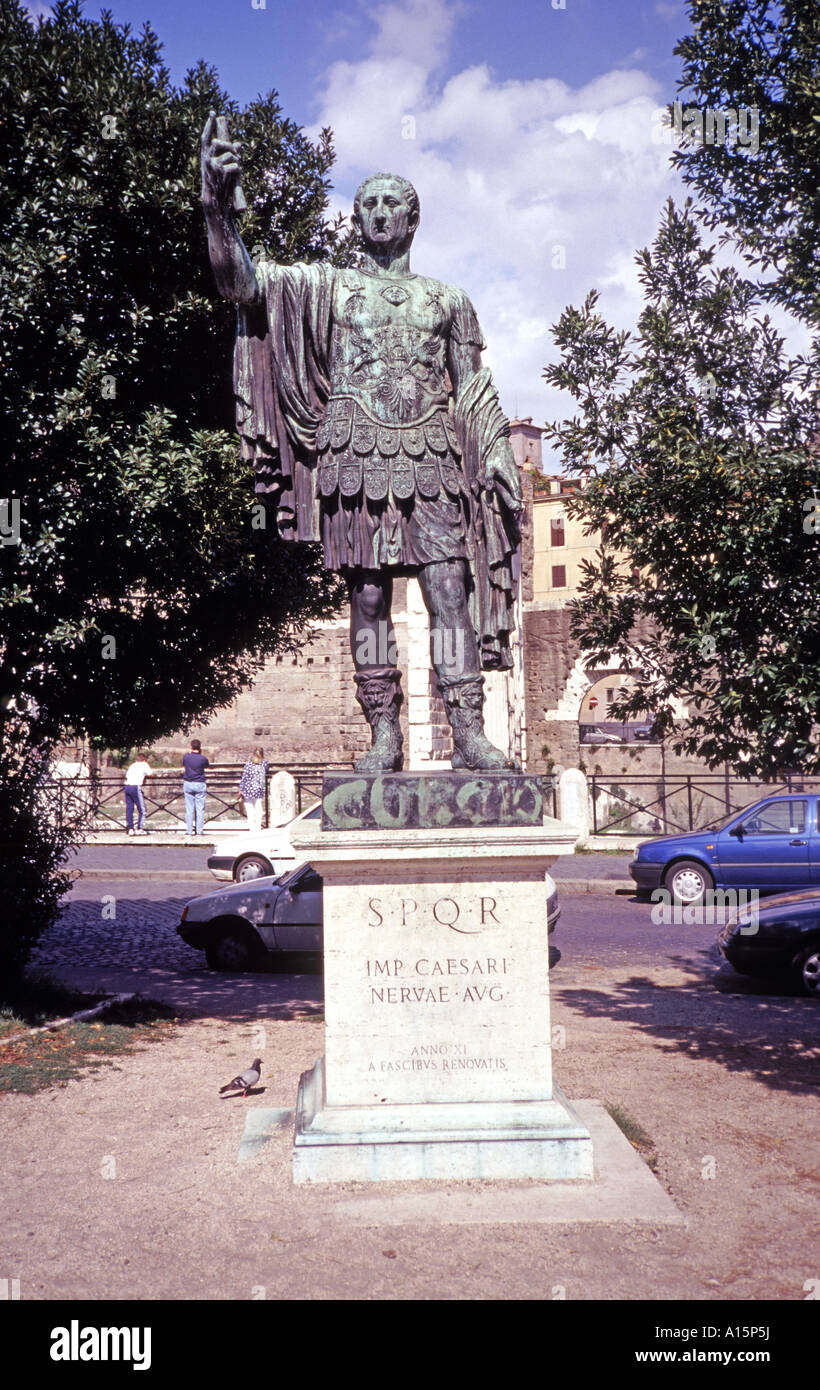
372 426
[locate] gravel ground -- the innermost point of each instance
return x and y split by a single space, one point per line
134 1175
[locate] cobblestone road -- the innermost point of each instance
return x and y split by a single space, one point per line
123 923
131 923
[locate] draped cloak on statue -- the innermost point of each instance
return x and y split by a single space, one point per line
344 409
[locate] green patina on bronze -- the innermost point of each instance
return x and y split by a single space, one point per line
430 800
372 426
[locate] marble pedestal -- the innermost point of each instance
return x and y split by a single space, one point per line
437 1034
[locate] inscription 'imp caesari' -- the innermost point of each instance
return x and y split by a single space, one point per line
430 993
488 965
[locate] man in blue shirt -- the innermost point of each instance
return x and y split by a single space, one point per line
194 787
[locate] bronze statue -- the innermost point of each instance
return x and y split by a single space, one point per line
363 405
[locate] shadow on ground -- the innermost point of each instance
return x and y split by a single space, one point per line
272 994
122 944
763 1028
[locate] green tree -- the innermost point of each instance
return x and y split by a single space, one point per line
744 54
693 438
142 585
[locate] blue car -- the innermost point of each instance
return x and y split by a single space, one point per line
772 845
778 937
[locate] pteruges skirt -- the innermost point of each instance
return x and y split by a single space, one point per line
358 533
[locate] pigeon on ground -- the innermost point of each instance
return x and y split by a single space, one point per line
246 1079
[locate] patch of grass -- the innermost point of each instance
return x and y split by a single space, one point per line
35 1063
635 1133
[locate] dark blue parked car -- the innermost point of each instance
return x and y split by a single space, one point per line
774 844
778 936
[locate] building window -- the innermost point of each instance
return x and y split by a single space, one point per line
557 536
559 576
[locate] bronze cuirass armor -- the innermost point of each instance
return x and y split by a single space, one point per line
386 430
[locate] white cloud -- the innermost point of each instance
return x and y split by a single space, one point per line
531 192
420 30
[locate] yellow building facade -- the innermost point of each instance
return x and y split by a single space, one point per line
558 541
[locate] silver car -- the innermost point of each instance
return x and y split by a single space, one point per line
238 927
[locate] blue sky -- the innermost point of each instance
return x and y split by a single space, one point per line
289 46
531 132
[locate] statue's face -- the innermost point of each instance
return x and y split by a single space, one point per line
386 218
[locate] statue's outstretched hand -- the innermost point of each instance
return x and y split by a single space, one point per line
501 475
220 164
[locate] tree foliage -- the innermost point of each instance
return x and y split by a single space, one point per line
697 435
141 590
34 848
744 54
693 435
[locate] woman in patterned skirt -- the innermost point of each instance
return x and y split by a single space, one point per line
252 788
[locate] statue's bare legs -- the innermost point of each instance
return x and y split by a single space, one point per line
455 658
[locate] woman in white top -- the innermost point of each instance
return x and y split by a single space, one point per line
252 788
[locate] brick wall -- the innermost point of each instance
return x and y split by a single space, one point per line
302 708
549 656
554 688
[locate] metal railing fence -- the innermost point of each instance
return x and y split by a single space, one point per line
97 800
670 804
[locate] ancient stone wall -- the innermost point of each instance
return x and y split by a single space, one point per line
526 537
555 684
301 709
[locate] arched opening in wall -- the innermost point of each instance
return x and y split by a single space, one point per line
595 726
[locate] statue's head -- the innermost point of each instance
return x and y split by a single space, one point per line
386 210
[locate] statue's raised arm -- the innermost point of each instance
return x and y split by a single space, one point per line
232 266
